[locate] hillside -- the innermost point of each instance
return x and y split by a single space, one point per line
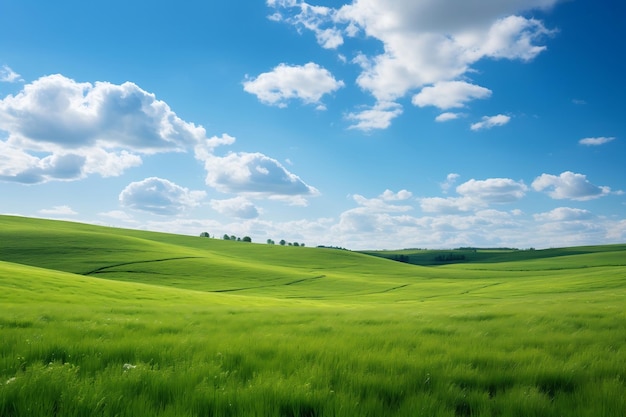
429 257
114 322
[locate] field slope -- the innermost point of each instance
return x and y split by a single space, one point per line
114 322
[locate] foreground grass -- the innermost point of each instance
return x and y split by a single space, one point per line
371 338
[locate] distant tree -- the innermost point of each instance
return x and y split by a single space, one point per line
296 244
226 237
450 257
301 244
401 258
233 237
246 239
238 239
290 244
270 242
205 234
282 242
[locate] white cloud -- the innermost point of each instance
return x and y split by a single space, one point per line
59 129
447 116
307 83
314 18
450 181
204 149
596 141
401 195
449 94
449 205
382 203
491 121
255 175
561 214
377 117
474 195
569 185
159 196
59 211
7 75
117 215
424 42
493 190
239 207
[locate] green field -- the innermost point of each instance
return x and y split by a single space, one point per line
101 321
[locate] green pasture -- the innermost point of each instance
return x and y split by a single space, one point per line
110 322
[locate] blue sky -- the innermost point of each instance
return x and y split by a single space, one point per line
368 124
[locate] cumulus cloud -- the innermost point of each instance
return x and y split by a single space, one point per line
596 141
447 116
19 166
449 182
401 195
449 94
59 129
314 18
377 117
561 214
7 75
255 174
448 205
569 185
493 190
307 83
117 215
59 211
159 196
491 121
423 42
63 130
474 195
384 202
239 207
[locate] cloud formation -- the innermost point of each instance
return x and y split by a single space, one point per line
159 196
63 130
493 190
596 141
255 175
449 94
447 116
308 83
377 117
59 129
569 185
64 210
561 214
491 121
474 195
7 75
239 207
424 43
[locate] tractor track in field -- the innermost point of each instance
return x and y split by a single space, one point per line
353 295
103 269
297 281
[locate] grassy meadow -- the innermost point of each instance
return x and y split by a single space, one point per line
101 321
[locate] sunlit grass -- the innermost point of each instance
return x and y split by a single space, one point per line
334 334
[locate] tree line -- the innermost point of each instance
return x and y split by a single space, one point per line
226 236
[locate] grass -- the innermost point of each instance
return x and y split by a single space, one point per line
112 322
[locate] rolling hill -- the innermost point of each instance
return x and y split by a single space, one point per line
115 322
